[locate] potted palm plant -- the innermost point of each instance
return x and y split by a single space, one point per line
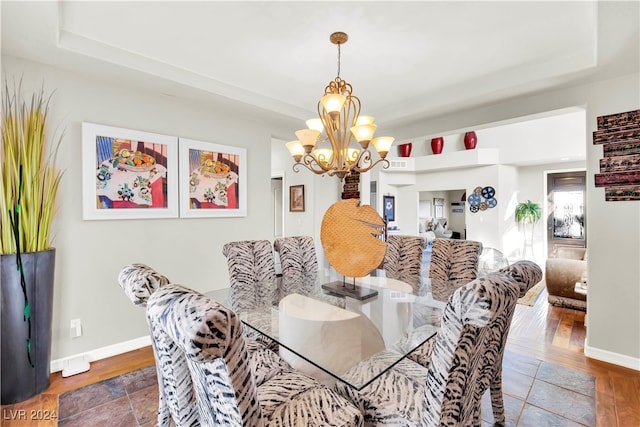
528 213
29 182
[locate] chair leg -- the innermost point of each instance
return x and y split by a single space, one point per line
497 402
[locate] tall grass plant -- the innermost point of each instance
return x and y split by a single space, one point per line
29 179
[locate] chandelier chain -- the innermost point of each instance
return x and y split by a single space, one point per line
338 60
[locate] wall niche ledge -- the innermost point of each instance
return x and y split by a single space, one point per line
437 162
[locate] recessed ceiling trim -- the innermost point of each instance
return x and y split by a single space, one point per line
517 80
104 52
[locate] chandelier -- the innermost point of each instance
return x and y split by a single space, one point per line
340 120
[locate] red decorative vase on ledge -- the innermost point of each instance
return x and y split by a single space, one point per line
404 149
470 140
437 144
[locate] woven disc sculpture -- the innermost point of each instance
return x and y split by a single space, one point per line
351 237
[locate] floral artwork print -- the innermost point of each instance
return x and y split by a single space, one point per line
213 180
130 174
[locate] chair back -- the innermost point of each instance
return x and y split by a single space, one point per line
525 274
453 264
252 279
403 259
175 388
468 351
211 338
454 260
249 261
297 257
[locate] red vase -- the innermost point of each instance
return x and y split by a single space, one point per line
437 144
404 149
470 140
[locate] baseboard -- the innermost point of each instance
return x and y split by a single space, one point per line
104 352
611 357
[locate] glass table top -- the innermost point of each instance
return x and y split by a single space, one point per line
324 334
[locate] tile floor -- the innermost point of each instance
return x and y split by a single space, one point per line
130 400
542 394
536 394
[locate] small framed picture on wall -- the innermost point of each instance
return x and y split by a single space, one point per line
296 198
389 204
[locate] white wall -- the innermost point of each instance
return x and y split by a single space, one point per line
91 253
537 139
613 332
456 219
507 192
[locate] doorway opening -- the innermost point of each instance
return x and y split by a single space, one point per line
566 202
443 213
277 207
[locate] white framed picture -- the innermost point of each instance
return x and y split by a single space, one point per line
128 174
213 179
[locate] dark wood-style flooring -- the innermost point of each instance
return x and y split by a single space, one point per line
556 335
547 333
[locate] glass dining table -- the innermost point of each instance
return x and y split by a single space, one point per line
324 334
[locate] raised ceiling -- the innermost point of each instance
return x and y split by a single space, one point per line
404 59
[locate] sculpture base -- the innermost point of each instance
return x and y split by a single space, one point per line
343 289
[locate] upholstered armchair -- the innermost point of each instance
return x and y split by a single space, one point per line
464 359
403 259
210 337
561 275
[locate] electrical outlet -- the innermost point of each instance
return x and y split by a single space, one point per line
76 328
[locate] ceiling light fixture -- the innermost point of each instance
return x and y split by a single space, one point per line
340 119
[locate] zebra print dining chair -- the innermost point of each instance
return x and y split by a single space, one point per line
211 339
299 264
176 398
465 359
249 261
453 263
252 277
297 257
403 259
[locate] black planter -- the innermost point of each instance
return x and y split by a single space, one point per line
20 380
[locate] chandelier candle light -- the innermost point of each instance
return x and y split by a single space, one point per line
340 119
